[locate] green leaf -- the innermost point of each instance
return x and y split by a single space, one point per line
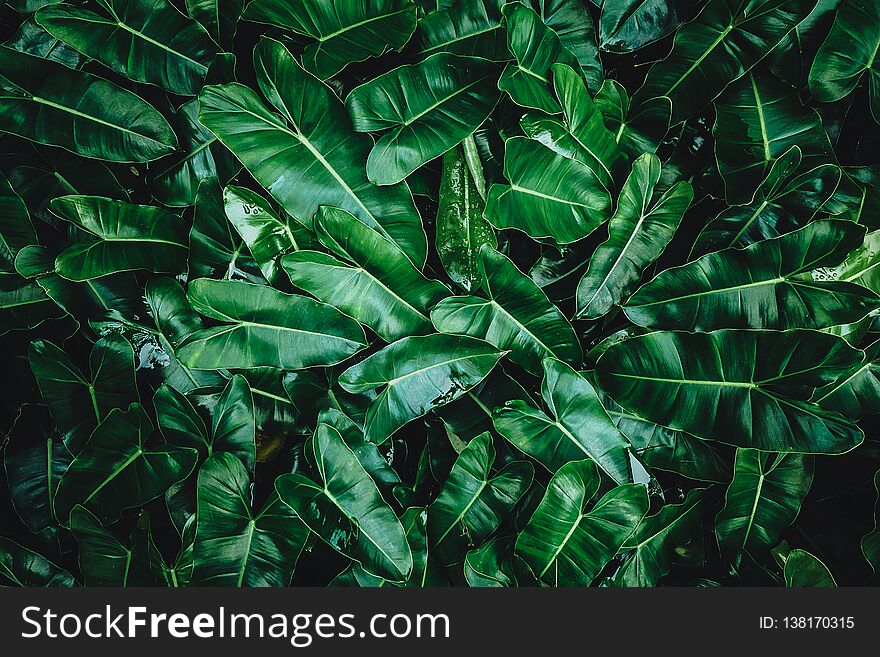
566 545
636 130
346 31
417 375
784 202
517 317
473 502
576 428
627 25
121 237
16 230
79 402
346 510
34 460
215 248
651 548
20 566
536 48
427 107
104 559
802 569
756 121
870 543
461 228
638 233
266 328
763 499
218 17
382 290
144 40
856 393
48 103
743 388
723 43
235 546
117 471
848 52
465 27
312 143
768 285
583 136
549 195
267 234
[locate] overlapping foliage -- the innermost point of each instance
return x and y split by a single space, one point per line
439 292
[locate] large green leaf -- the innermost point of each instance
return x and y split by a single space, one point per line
215 248
346 509
218 17
346 31
576 428
856 393
77 401
651 548
473 501
116 470
307 156
583 136
803 569
549 195
20 566
565 544
104 559
517 317
266 328
16 230
848 53
121 237
536 48
763 499
465 27
48 103
637 234
381 288
719 46
785 201
767 285
627 25
144 40
637 130
743 388
427 107
461 227
235 546
417 375
756 121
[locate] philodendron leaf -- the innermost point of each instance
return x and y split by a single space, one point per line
701 382
429 107
536 48
22 567
568 545
638 232
381 288
344 31
235 546
219 17
517 316
465 27
266 328
636 130
346 510
855 393
48 103
417 375
215 247
803 569
121 237
849 51
473 501
144 40
549 195
650 550
577 427
105 560
77 401
768 285
763 499
310 139
117 470
719 46
757 120
627 25
461 227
